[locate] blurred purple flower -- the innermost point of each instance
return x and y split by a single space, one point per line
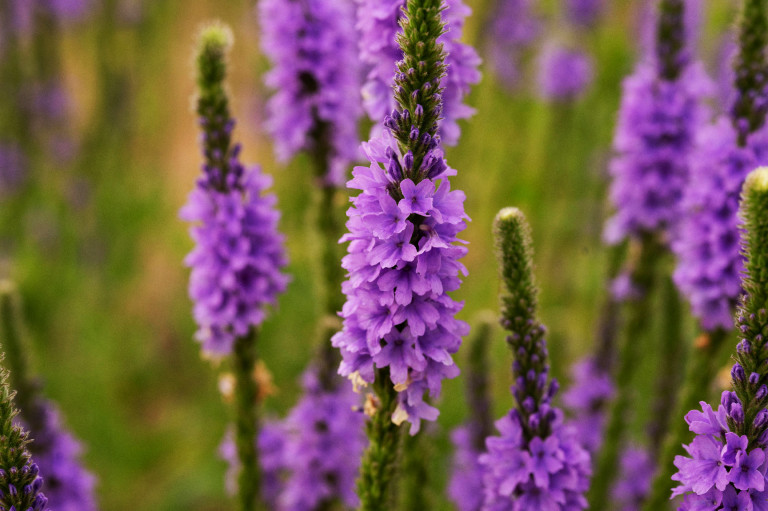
324 440
658 121
315 78
564 73
409 329
584 13
377 25
590 391
634 480
513 29
707 245
466 485
68 485
13 168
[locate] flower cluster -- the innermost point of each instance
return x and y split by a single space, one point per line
563 73
323 445
67 484
721 469
238 254
401 264
315 76
709 261
378 25
513 27
634 480
658 121
586 398
536 462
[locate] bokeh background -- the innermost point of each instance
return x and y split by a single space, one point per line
95 245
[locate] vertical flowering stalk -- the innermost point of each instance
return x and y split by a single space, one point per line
20 481
725 462
378 26
512 30
661 111
399 327
236 264
68 484
315 110
466 485
537 461
564 73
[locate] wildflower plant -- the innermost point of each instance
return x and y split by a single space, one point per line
725 464
238 258
537 462
399 328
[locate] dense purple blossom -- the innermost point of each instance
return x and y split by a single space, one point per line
513 28
563 73
377 25
68 485
586 398
401 263
271 447
721 468
546 474
584 13
634 480
323 445
238 255
658 121
315 77
13 168
709 260
466 485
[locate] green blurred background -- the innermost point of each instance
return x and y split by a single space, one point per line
101 278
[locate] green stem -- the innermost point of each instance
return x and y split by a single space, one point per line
701 372
377 471
247 422
416 475
671 366
643 277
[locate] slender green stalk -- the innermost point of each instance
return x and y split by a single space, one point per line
478 384
702 369
378 468
643 277
247 422
751 76
671 366
415 487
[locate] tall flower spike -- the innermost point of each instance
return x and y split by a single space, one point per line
749 109
537 461
564 73
726 460
399 327
20 481
55 450
378 25
513 28
236 265
466 485
315 77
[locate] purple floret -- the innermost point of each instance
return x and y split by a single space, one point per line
564 73
549 474
721 467
315 78
466 485
398 314
710 264
324 443
377 26
658 121
68 485
239 254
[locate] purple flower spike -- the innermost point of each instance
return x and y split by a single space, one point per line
564 73
398 314
710 264
584 13
466 485
586 399
513 29
377 24
315 76
634 481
